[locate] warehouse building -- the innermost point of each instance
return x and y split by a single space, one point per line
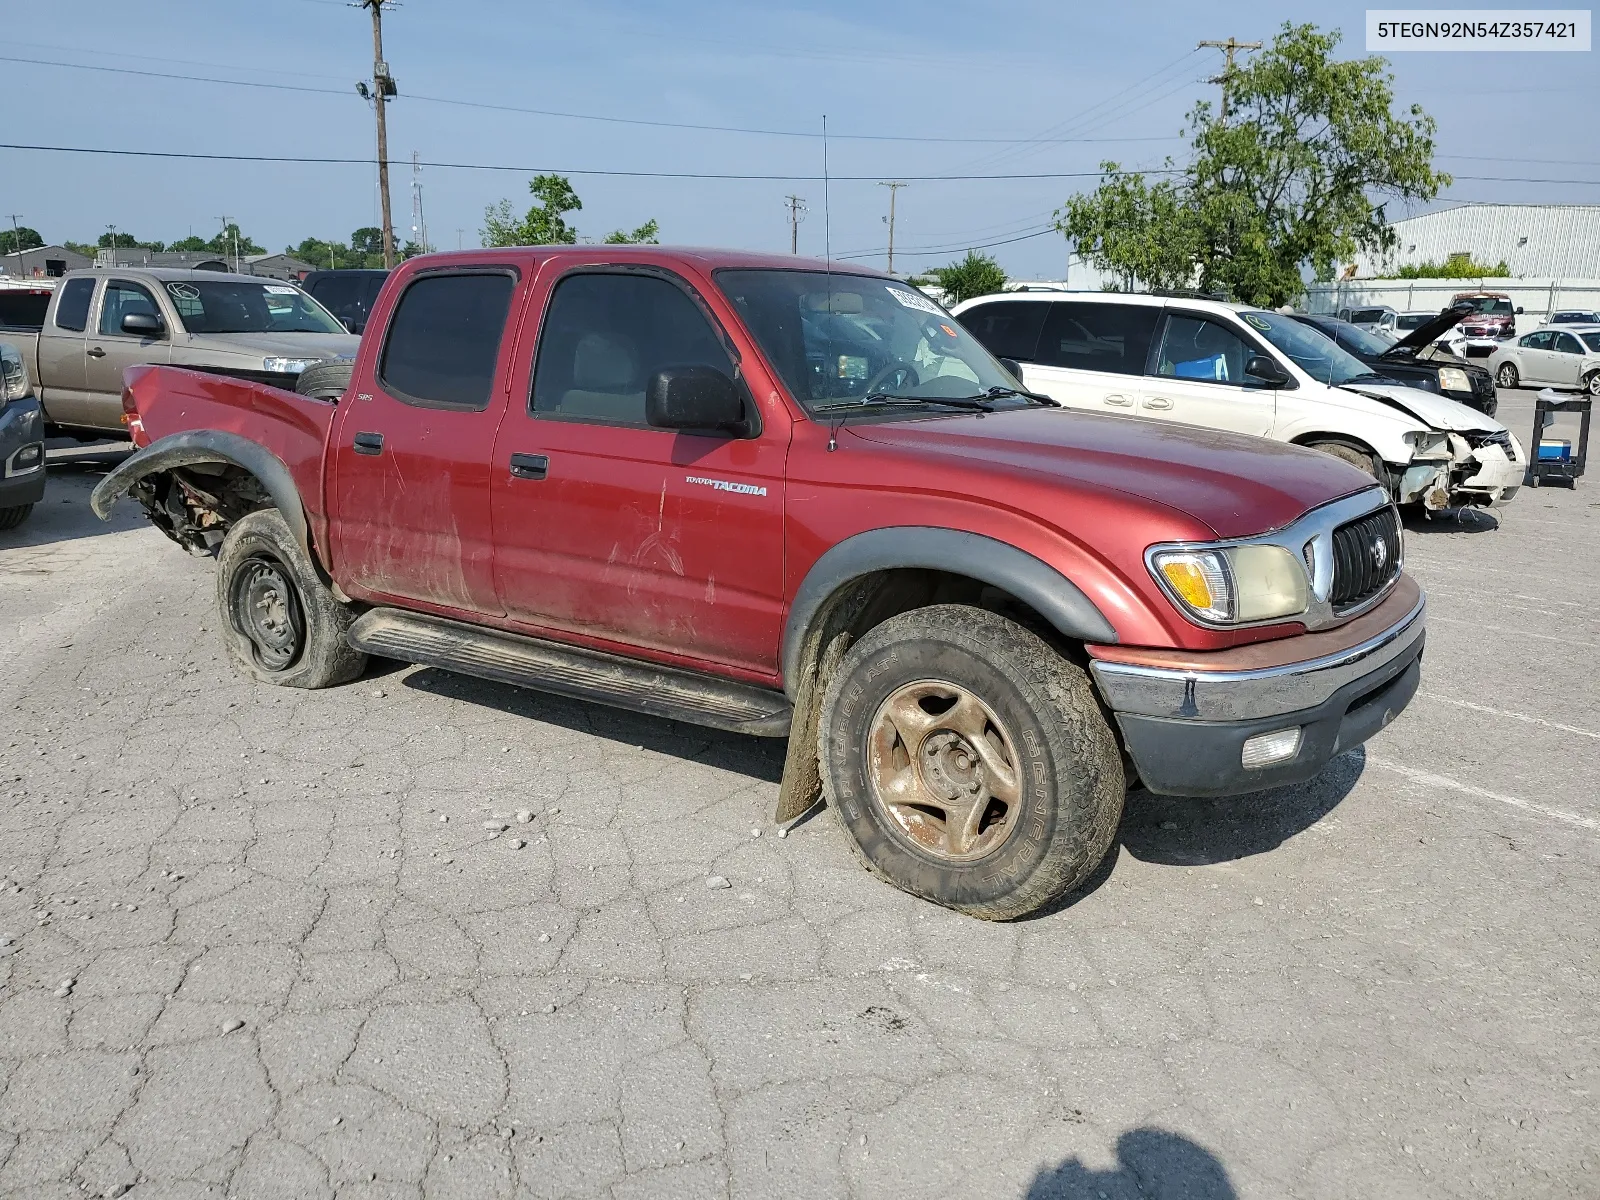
1550 241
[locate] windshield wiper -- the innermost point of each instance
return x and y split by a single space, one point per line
966 403
1000 390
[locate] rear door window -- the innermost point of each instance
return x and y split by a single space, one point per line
1567 344
1194 347
1095 336
443 342
72 310
1007 328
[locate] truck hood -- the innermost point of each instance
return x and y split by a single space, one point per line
1425 335
279 345
1433 411
1238 486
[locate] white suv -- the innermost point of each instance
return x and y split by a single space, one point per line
1225 366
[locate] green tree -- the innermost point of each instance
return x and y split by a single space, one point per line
127 241
975 275
1457 266
231 239
20 238
195 245
645 235
368 242
544 224
1296 179
83 248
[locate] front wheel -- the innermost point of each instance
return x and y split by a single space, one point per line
1507 375
280 623
1349 454
10 518
1591 384
969 762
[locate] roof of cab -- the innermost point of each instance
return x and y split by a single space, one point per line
170 274
704 257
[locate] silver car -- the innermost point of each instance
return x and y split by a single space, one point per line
1566 357
101 322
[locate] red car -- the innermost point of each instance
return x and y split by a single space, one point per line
1491 321
774 496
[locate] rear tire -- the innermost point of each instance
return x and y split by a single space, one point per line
280 623
10 518
1591 384
1507 377
325 380
1357 459
969 762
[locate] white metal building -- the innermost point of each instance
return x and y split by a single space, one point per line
1560 241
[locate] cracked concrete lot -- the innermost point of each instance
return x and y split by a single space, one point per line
259 943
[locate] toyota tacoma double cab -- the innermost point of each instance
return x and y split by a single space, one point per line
795 499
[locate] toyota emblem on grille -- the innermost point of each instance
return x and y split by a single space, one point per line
1380 552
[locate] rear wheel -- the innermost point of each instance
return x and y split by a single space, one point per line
1356 458
969 762
280 623
1591 383
10 518
1506 377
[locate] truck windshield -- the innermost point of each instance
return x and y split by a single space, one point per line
1490 305
230 306
838 338
1313 351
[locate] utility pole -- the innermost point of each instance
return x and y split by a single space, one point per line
112 230
893 189
382 88
1228 48
797 213
228 235
459 232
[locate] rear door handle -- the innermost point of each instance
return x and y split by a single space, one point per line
368 443
529 466
1120 401
95 352
1158 402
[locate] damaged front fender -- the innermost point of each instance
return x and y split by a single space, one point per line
185 507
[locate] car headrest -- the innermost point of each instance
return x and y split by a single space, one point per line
604 362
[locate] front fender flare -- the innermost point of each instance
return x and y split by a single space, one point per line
1034 582
208 446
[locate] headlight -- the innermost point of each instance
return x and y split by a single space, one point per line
14 384
287 366
1427 444
1234 585
1454 379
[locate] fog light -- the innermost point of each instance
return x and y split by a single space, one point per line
1267 748
28 456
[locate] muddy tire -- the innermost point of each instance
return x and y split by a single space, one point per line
325 380
1356 458
280 623
11 517
1506 377
969 762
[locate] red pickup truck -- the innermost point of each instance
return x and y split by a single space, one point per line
769 495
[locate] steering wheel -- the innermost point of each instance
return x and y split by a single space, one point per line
895 377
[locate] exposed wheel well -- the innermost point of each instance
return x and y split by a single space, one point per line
195 504
1310 440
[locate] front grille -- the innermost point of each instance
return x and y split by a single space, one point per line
1366 558
1499 437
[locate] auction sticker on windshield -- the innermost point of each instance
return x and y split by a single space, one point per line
910 299
278 289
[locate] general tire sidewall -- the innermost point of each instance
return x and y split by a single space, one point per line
871 679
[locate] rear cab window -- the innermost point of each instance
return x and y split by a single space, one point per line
442 346
1007 328
72 309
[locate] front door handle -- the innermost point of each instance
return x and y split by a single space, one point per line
95 352
529 466
1120 401
368 443
1158 402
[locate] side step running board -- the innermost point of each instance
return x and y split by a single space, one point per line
570 671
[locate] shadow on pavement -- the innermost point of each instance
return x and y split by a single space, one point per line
1450 520
760 758
1152 1164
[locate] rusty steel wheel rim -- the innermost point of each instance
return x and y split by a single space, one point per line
944 771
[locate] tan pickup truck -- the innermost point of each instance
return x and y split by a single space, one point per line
100 322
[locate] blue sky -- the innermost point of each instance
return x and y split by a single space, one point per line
1002 69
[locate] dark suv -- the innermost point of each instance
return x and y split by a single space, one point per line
348 295
1414 360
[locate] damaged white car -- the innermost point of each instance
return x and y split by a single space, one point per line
1224 366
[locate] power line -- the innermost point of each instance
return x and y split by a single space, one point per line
572 116
538 170
955 248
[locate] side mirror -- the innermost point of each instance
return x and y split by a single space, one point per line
144 324
1519 310
1013 368
1266 370
694 398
